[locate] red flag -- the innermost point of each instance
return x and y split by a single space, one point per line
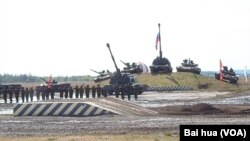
158 39
49 82
221 77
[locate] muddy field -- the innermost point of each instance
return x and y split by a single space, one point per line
173 109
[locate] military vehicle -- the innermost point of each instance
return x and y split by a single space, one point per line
227 75
131 68
103 75
53 84
121 79
188 66
160 64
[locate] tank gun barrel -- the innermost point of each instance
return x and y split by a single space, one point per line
124 63
117 69
43 79
95 71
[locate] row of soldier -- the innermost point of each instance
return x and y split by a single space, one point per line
44 92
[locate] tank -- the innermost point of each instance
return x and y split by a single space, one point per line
188 66
54 85
122 79
102 75
160 64
227 75
133 68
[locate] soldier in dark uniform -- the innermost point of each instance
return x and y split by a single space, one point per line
31 93
77 91
93 90
81 91
38 90
105 91
27 94
17 94
23 94
71 91
122 92
66 89
136 91
117 92
10 91
99 90
47 92
43 88
87 90
129 90
61 91
5 94
52 92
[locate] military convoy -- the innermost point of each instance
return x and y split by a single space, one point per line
227 75
188 66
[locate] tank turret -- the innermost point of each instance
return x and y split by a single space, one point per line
102 75
131 68
188 66
160 64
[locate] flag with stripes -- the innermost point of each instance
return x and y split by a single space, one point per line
158 39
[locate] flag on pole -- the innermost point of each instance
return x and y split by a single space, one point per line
49 82
158 39
221 77
245 73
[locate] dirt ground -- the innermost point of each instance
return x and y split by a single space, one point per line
201 110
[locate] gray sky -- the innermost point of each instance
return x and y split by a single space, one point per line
68 37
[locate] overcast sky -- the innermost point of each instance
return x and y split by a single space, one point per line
68 37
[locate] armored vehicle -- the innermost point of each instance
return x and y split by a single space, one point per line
53 84
131 68
188 66
120 79
103 75
160 64
227 75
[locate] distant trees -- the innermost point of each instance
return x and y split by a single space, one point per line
10 78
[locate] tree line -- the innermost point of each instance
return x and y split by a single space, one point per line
28 78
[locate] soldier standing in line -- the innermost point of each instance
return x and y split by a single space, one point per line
43 89
71 91
27 94
52 92
87 90
5 94
129 90
66 89
11 91
136 92
31 93
38 90
61 91
17 94
93 90
77 91
117 91
81 91
105 91
122 91
23 94
47 92
98 90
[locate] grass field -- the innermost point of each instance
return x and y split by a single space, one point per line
123 137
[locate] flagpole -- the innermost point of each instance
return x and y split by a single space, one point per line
159 25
